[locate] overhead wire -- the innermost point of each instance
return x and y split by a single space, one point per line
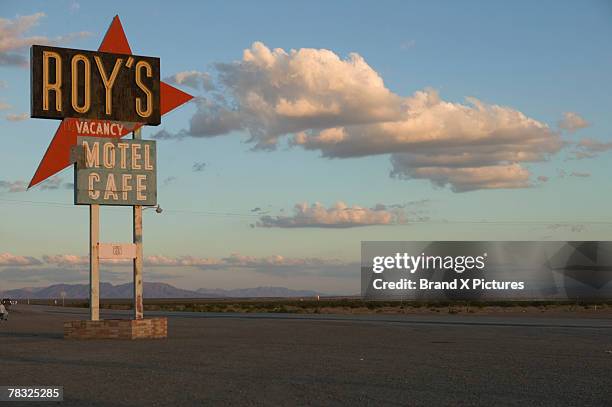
257 215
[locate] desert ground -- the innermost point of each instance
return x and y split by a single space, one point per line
370 359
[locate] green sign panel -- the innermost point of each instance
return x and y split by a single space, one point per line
115 172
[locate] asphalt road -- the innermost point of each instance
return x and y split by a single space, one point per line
284 359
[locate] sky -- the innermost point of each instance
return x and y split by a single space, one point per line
318 125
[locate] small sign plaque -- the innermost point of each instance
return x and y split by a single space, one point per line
116 251
115 172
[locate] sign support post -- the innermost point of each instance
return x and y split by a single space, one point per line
94 262
138 291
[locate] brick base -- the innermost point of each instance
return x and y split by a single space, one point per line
150 328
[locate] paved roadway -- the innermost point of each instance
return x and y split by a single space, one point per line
285 359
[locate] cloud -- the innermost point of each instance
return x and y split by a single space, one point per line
3 104
580 155
572 121
164 134
65 268
234 260
575 227
508 176
169 180
188 261
66 260
589 148
337 216
342 108
418 202
278 93
282 262
211 119
193 79
198 166
408 44
415 210
466 147
8 259
12 117
594 146
72 260
52 183
13 39
38 275
13 186
240 261
562 174
275 264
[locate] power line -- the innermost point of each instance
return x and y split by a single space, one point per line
37 203
66 205
415 221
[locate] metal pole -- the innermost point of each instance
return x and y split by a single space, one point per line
138 307
94 262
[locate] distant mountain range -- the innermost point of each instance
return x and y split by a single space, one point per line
151 290
257 292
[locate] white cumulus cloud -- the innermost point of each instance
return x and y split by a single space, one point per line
193 79
589 148
13 186
66 259
191 261
234 260
572 121
14 39
339 215
342 108
12 117
8 259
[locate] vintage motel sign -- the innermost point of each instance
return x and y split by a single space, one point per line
98 85
58 154
115 172
102 96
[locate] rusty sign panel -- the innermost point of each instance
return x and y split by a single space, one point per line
115 172
95 85
117 251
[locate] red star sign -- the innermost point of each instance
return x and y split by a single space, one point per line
57 156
